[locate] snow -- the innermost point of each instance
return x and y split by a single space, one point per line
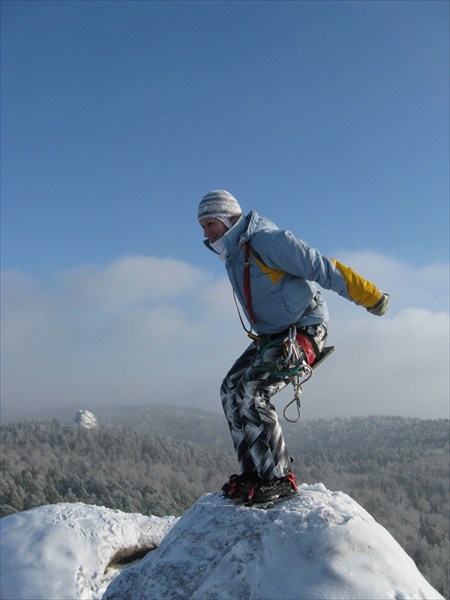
317 545
62 551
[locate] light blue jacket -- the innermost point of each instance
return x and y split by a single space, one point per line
283 274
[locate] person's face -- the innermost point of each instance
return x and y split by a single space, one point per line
213 229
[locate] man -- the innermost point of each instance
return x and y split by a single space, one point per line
273 275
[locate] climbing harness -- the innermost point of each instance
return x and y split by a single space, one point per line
300 354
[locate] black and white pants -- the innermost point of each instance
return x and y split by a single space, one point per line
246 392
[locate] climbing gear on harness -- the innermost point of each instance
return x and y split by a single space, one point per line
298 382
298 360
297 353
309 347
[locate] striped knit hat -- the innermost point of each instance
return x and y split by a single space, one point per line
219 204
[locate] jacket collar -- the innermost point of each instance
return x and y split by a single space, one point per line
232 236
242 231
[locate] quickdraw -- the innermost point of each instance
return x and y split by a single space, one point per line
297 382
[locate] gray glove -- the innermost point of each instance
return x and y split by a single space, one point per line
381 307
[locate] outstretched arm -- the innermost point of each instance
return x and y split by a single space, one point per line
362 291
283 250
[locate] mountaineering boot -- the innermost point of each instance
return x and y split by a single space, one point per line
240 485
266 491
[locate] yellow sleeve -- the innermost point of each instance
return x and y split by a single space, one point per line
360 290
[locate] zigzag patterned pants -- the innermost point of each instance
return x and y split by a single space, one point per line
246 392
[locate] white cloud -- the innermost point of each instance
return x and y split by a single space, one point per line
132 280
144 329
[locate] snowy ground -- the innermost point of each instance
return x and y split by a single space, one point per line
318 545
63 551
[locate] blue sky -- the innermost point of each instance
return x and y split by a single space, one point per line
330 118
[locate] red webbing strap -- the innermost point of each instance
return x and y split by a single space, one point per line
247 287
307 347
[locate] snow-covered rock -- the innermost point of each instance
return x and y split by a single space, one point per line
318 545
86 420
64 551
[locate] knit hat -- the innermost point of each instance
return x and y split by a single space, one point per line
219 204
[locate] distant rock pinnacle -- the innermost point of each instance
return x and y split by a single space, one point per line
86 420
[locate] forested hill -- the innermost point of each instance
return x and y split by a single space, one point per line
396 468
48 462
210 429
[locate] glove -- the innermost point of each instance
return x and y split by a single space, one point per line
381 307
